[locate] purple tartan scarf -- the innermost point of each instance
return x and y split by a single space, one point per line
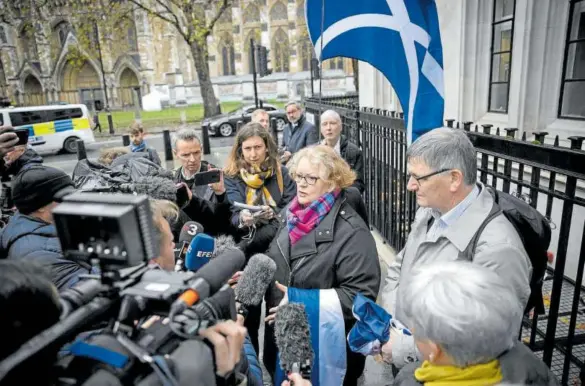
302 220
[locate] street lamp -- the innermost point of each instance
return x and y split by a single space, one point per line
105 89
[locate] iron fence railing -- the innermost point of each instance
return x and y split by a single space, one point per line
551 178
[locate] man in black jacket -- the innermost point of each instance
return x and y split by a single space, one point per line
19 159
187 149
138 144
331 131
298 133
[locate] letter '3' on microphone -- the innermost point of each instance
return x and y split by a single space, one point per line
293 339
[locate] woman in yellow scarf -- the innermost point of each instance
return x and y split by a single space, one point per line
465 321
254 176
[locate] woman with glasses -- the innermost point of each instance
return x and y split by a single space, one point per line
325 254
254 176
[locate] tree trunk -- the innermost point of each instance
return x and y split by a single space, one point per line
356 74
210 102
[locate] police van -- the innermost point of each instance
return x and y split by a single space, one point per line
51 128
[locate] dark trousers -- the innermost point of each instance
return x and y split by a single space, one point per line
252 323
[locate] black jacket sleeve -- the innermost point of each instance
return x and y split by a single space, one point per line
290 189
357 270
355 199
359 171
215 217
234 194
312 135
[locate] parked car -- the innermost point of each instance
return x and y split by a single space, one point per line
226 124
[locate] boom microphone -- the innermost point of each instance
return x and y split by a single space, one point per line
210 279
223 243
255 279
200 252
188 232
293 339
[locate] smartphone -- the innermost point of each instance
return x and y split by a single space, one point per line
206 178
22 136
182 195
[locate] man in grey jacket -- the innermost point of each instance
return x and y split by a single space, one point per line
442 168
298 133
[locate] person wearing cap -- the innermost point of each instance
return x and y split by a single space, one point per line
30 234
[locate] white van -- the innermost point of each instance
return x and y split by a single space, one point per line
51 128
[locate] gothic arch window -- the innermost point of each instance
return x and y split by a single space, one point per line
251 14
305 54
132 38
61 31
278 12
281 50
27 41
3 37
253 34
301 10
228 59
2 74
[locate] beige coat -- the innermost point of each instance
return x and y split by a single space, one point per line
499 248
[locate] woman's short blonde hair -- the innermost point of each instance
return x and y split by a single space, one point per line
163 210
331 167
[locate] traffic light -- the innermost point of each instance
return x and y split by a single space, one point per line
315 68
262 56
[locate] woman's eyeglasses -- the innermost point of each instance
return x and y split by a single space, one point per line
309 180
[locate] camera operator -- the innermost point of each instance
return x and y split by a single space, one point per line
30 234
21 158
29 304
8 140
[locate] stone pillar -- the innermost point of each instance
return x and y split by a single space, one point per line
180 95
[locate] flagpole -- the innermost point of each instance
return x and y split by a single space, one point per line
321 66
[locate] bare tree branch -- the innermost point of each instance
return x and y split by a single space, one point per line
220 11
152 12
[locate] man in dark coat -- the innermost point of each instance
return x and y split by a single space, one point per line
298 132
30 234
19 159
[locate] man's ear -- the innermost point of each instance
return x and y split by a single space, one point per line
457 179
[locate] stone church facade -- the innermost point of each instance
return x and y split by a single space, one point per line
148 54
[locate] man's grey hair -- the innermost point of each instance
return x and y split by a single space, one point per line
446 148
185 135
465 308
332 114
297 104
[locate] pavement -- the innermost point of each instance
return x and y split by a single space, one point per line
375 374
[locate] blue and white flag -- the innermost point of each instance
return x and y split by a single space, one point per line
327 329
400 38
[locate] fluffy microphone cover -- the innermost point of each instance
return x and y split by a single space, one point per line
293 339
255 279
223 243
159 188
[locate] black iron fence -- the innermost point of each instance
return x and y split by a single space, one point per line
550 177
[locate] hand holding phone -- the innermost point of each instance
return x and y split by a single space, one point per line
208 177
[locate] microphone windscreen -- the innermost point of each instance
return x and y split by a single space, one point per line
256 278
156 187
221 269
189 230
293 338
223 243
200 252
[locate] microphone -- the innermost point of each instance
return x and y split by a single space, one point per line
188 232
255 279
293 339
210 279
200 252
223 243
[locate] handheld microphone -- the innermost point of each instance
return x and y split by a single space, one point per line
255 279
223 243
188 232
210 279
200 252
293 339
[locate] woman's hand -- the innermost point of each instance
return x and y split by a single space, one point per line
297 380
267 213
270 318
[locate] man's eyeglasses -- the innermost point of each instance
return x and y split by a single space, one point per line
310 180
426 176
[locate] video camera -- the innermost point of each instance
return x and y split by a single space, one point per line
114 232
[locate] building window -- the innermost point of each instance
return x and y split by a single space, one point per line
228 57
501 55
61 31
281 51
335 63
27 40
2 74
132 38
3 38
571 103
252 14
278 12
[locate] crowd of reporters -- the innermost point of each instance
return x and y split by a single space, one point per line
312 223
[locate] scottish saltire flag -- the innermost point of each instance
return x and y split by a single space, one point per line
400 38
327 329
